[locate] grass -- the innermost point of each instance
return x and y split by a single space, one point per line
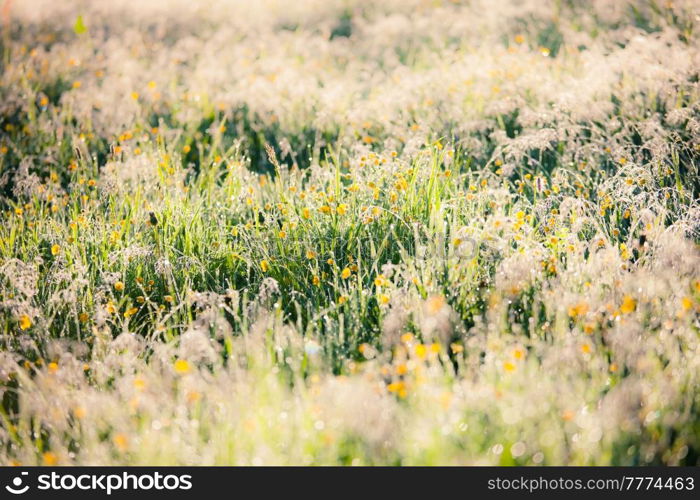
257 246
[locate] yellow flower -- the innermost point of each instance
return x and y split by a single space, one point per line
119 286
120 441
316 280
342 209
53 367
345 273
310 254
130 312
398 388
383 299
55 249
25 322
508 366
628 304
264 265
420 351
687 303
49 458
578 310
182 366
435 304
139 384
380 280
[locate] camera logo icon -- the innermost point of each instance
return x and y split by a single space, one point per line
17 488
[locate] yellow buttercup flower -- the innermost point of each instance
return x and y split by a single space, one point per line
25 322
628 304
182 366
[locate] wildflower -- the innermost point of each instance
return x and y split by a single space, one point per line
383 299
55 249
629 304
53 367
264 266
508 366
687 303
49 458
310 254
345 273
139 383
435 304
182 366
120 442
578 310
398 388
25 322
130 312
119 286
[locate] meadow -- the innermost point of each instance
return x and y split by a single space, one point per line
407 232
